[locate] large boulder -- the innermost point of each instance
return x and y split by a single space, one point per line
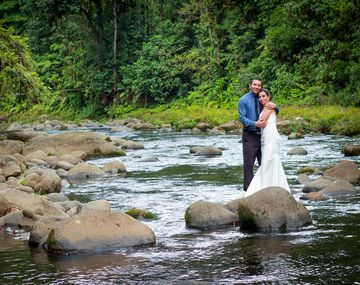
73 159
230 126
298 150
314 196
205 215
67 142
32 179
17 219
22 135
114 167
12 200
303 179
9 166
38 154
98 230
295 136
84 170
41 228
8 147
351 150
127 144
345 170
316 185
98 205
339 188
50 182
206 150
272 208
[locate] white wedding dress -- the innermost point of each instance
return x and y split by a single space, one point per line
270 172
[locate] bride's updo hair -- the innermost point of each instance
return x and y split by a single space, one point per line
266 91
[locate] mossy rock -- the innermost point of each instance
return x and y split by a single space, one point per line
78 197
98 154
141 214
306 170
246 218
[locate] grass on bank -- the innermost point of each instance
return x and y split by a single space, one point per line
323 119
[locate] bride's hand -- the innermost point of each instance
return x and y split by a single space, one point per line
260 124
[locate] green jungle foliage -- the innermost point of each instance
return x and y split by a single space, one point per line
97 57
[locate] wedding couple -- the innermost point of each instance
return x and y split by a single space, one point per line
260 140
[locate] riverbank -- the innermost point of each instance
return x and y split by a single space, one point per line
334 120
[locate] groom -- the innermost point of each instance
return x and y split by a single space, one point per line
249 110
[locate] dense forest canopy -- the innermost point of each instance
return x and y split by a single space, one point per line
84 54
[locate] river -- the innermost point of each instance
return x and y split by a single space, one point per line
165 178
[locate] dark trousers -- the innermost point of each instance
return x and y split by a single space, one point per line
251 151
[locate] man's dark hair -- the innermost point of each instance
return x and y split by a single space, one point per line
255 78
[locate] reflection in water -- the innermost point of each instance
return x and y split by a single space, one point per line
324 253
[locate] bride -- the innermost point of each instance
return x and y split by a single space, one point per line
270 172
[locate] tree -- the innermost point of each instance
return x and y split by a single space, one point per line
20 85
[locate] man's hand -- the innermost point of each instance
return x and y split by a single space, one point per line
260 124
270 106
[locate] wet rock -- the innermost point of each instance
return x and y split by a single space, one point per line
299 150
79 154
71 207
26 189
64 165
127 144
39 154
13 182
309 170
67 142
273 208
98 230
8 147
205 215
57 197
114 167
314 196
9 166
339 188
345 170
71 158
216 131
62 173
233 205
303 179
84 170
11 199
49 182
206 151
295 136
52 161
22 135
351 150
141 214
98 205
41 229
17 219
32 179
230 126
203 126
316 185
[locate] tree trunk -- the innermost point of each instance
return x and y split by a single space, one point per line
114 89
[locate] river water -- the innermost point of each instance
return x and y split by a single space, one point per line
165 178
